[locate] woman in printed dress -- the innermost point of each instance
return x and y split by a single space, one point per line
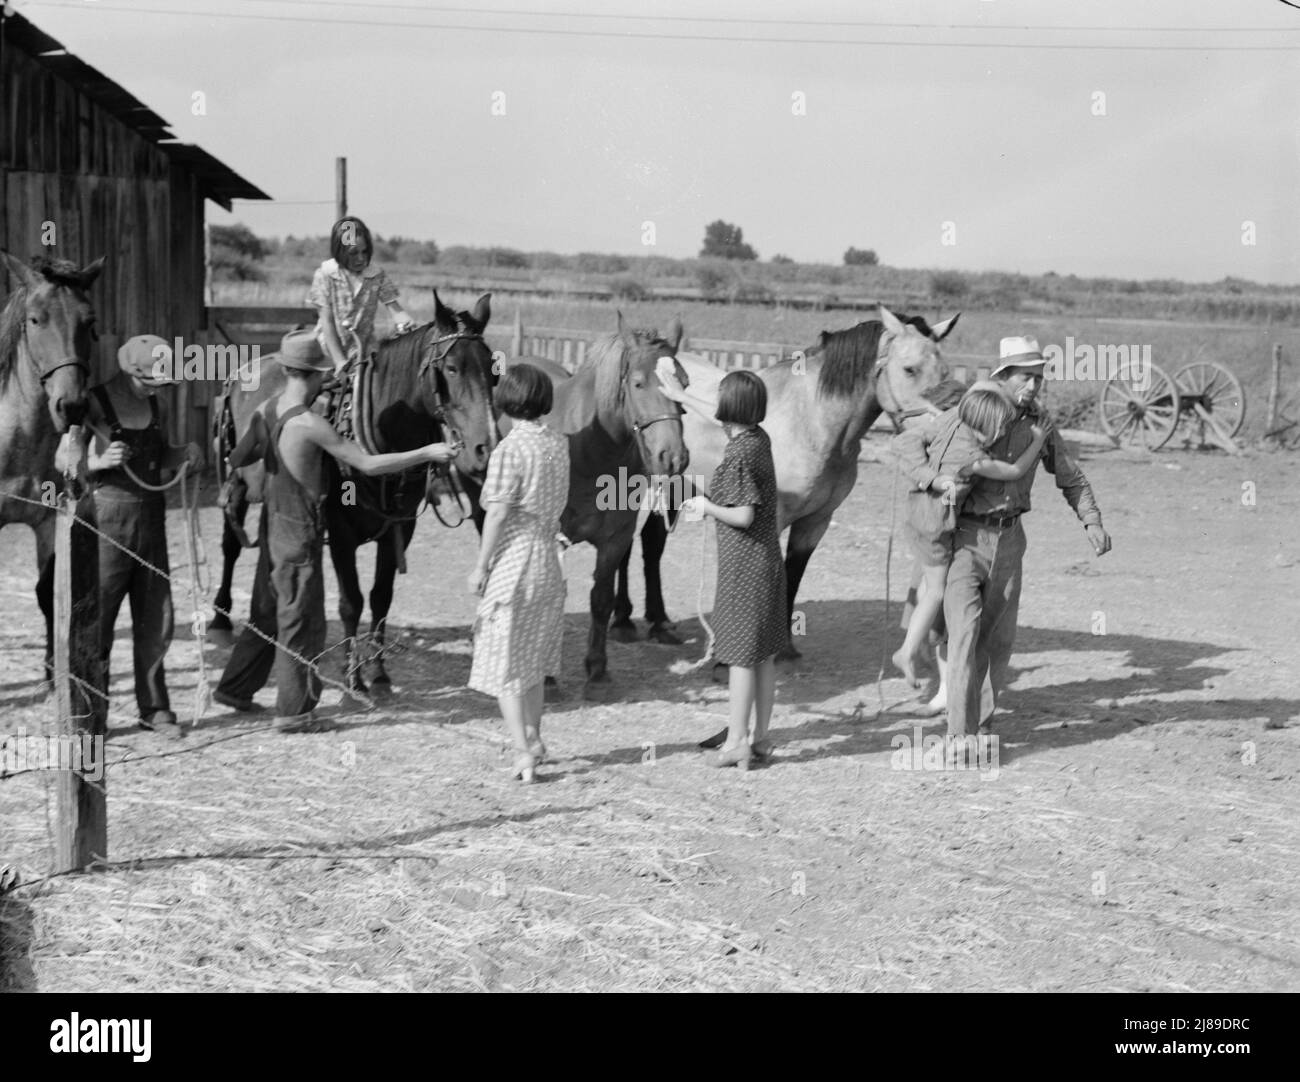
749 608
347 290
520 619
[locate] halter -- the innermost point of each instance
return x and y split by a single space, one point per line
639 426
435 361
894 412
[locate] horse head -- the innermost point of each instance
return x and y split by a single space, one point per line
908 364
458 374
632 389
50 318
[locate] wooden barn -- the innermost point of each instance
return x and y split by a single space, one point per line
80 153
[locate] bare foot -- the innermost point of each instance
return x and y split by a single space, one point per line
906 662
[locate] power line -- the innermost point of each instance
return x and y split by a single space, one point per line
664 36
725 19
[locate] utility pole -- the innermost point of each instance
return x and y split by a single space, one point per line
340 188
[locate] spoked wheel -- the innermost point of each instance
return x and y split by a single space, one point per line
1217 390
1139 407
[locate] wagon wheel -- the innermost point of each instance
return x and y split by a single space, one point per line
1215 388
1139 407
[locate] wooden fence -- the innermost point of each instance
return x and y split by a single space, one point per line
569 347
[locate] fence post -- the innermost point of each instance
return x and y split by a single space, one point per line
517 338
82 831
1274 388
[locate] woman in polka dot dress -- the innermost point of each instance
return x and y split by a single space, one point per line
749 617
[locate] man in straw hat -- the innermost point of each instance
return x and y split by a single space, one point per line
289 592
126 464
982 596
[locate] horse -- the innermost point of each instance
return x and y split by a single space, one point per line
820 404
431 383
621 426
46 331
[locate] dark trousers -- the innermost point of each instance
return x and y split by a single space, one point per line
140 525
289 606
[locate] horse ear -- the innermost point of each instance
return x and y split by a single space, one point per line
91 271
892 323
20 270
442 315
674 338
942 330
483 311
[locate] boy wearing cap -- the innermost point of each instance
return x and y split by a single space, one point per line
982 597
289 593
130 451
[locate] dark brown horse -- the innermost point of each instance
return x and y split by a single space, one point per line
430 384
620 426
46 331
820 404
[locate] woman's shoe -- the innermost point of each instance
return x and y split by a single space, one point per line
525 768
538 751
739 756
763 750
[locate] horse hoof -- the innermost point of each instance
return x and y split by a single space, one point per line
623 632
788 653
223 638
597 689
221 622
664 636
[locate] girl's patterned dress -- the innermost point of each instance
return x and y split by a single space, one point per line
749 617
519 627
354 312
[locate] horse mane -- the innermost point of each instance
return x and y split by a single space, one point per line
610 356
11 330
402 349
849 356
58 272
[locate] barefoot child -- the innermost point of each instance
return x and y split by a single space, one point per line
958 455
749 620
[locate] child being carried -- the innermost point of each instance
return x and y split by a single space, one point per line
959 456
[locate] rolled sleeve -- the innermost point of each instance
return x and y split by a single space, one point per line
912 447
1070 480
387 291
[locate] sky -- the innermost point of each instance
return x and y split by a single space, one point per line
1114 138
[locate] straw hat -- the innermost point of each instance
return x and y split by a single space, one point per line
299 349
1018 352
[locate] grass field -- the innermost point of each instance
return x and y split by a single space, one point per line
1244 348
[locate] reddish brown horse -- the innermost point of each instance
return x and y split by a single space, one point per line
620 426
46 331
429 384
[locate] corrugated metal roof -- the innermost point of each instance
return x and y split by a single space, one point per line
219 182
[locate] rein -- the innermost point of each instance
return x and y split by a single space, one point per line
432 364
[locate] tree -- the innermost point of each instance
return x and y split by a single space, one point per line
727 241
860 257
238 238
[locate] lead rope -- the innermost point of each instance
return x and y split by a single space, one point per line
699 607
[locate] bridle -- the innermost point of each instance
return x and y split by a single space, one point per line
434 363
639 426
891 408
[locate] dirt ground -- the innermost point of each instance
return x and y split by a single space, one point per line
1138 834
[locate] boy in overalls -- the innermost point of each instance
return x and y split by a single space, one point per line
290 439
131 447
